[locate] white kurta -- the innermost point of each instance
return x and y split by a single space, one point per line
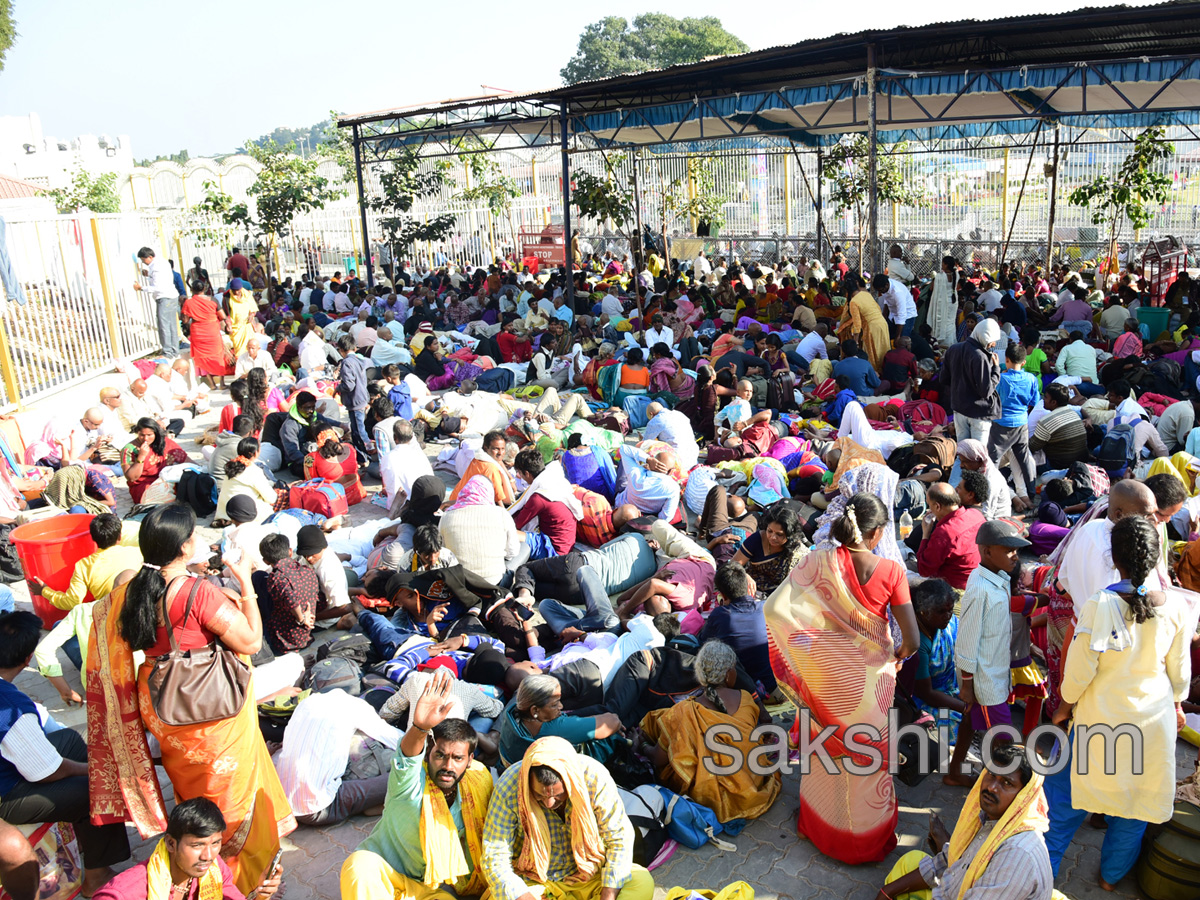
943 309
1138 686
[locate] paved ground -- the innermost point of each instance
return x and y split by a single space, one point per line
769 855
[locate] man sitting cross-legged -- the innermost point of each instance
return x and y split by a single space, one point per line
416 851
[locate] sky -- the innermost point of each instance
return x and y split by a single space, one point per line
205 77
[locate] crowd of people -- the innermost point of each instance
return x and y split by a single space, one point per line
495 549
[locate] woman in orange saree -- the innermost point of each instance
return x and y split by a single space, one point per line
225 760
833 655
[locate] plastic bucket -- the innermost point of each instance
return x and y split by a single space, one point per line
1155 320
49 550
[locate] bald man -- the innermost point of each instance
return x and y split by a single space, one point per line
642 481
158 386
138 403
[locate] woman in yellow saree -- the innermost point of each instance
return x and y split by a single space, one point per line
224 760
679 750
833 656
242 310
865 321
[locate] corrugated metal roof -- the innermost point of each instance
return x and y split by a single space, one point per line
1093 34
15 189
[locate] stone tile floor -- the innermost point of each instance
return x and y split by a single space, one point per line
769 855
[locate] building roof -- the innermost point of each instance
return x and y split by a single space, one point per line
1109 66
15 189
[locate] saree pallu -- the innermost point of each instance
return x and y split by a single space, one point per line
227 762
122 784
835 658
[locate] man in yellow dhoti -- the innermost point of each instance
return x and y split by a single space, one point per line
428 844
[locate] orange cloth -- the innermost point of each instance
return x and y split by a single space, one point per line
502 485
680 730
636 378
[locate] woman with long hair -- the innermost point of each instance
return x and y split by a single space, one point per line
833 654
243 476
224 760
334 460
1128 668
151 451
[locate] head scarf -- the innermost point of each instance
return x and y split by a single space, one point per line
1027 812
426 496
586 846
986 332
478 491
67 488
868 478
973 451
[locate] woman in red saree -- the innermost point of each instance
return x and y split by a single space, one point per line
151 451
204 335
335 461
832 651
224 760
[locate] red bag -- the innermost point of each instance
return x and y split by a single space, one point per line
320 496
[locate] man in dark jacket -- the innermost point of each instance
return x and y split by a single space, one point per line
970 374
292 431
352 390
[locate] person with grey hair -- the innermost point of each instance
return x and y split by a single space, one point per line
678 733
537 712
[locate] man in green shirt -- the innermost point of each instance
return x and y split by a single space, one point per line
428 844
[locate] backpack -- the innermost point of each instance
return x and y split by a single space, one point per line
333 674
645 808
761 386
199 491
401 398
354 647
1116 449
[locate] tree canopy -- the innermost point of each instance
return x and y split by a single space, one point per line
8 30
611 47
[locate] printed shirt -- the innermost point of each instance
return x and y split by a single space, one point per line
290 587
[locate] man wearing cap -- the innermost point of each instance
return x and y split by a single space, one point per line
981 651
312 545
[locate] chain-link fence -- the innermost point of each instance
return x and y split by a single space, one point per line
923 255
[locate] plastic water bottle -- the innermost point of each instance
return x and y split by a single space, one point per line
906 525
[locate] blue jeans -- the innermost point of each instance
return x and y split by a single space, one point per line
71 648
358 429
539 546
597 615
7 600
798 363
907 328
385 638
1091 389
1122 837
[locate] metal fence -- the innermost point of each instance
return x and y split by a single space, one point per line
923 254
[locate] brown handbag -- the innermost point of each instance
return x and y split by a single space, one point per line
196 686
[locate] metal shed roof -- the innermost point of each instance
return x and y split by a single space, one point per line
1102 67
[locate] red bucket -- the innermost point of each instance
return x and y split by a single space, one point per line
49 550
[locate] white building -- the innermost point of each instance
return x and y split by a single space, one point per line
28 154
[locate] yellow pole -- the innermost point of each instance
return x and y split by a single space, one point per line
163 243
179 257
150 186
491 237
1004 198
110 307
787 192
533 175
133 190
691 192
895 219
10 372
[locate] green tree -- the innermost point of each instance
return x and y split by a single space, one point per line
401 185
180 159
611 47
95 192
696 196
490 187
606 197
845 170
8 30
1135 190
286 186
